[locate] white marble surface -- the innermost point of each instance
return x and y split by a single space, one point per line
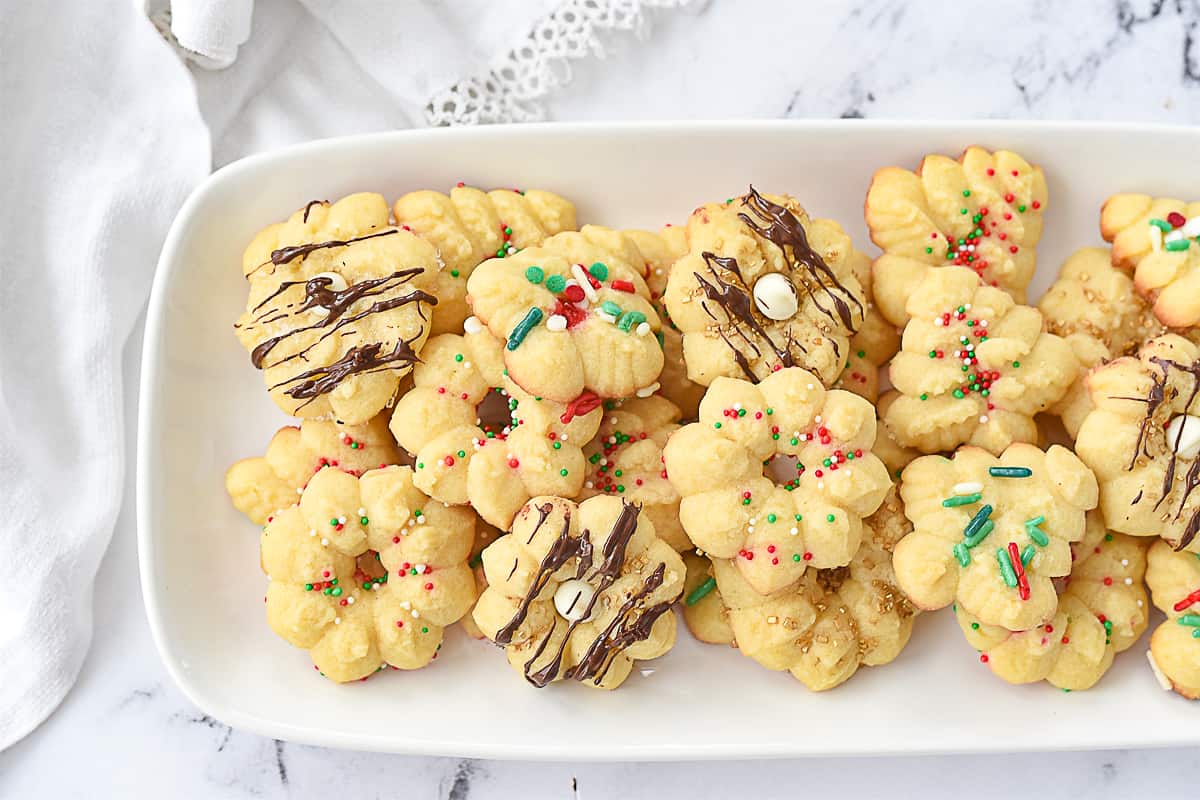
125 730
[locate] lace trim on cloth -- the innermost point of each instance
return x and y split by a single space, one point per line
510 89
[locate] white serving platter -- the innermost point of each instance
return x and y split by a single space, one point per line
203 406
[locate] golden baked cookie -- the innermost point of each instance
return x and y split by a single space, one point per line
1142 439
982 211
1174 654
763 287
661 250
1093 306
478 438
262 485
893 455
992 533
338 308
1159 239
873 344
974 368
354 624
705 614
825 627
580 592
485 534
575 315
777 476
1102 611
468 226
625 459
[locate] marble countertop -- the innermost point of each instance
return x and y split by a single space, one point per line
126 730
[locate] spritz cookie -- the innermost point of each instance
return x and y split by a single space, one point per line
353 623
991 533
828 625
763 287
1101 612
660 251
777 476
338 309
468 226
1093 306
974 367
873 344
262 485
478 438
625 459
1174 654
575 316
1142 439
1159 238
580 592
982 212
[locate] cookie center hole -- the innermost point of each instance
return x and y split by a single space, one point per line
784 470
494 413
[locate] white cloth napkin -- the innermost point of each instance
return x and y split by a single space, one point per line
104 134
102 142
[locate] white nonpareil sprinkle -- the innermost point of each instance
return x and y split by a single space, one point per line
472 325
646 391
324 542
817 419
771 620
983 420
810 387
643 329
337 620
968 487
609 318
1129 581
795 531
350 600
557 322
362 512
312 533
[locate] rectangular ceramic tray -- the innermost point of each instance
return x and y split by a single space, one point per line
202 407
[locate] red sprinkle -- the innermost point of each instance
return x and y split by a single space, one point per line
1176 219
573 293
1194 597
623 286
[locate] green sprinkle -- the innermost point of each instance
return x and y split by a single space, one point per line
966 192
980 534
1177 245
1191 620
453 273
558 445
770 411
1016 365
630 319
1037 534
771 518
1006 568
462 453
535 274
308 587
333 522
556 283
609 307
924 396
424 629
962 211
1027 555
363 521
830 517
562 472
717 425
1010 472
1161 224
959 394
981 516
476 560
458 357
532 318
795 556
366 584
599 271
420 465
962 500
1021 209
974 626
700 592
799 517
1108 538
337 591
962 554
620 488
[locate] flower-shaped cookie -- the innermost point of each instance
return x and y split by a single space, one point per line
580 592
983 212
824 628
479 438
338 309
351 623
1094 307
262 485
975 367
763 287
1174 654
626 460
777 476
873 344
1101 612
469 226
575 315
1159 238
660 251
1143 441
992 533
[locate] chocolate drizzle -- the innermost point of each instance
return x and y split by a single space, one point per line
1159 393
360 360
285 254
783 229
308 208
632 623
734 299
318 294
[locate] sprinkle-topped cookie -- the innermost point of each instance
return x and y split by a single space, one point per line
1174 654
1159 238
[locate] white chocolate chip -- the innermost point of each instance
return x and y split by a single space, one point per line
1183 435
472 325
775 296
573 599
646 391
